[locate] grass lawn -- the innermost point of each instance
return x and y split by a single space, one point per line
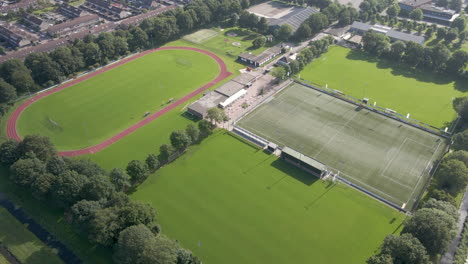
98 108
3 260
22 243
427 97
223 41
231 203
51 219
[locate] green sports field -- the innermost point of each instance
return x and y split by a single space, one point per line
427 97
22 243
230 202
100 107
387 157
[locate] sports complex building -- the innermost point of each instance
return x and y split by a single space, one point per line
379 153
223 96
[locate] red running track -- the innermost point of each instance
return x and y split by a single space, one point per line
11 124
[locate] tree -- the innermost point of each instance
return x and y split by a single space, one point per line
44 70
460 141
461 106
119 179
139 39
259 42
137 170
193 132
160 250
121 46
69 62
17 74
104 227
56 165
105 42
7 92
393 10
279 73
455 5
205 127
68 187
42 185
317 22
375 43
397 50
433 228
416 14
131 243
440 54
452 176
451 35
447 207
25 171
303 32
83 211
457 62
179 140
442 195
186 257
98 188
41 146
414 54
216 114
185 21
460 155
152 162
165 152
401 249
284 32
135 213
459 23
9 152
441 32
85 167
262 25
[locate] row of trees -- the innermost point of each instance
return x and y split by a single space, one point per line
307 55
46 69
138 170
333 12
437 58
94 201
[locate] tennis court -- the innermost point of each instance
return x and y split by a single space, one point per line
384 156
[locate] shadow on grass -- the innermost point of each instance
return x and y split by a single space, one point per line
398 69
294 172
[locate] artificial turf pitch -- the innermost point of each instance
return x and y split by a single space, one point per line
426 96
26 247
386 157
100 107
230 202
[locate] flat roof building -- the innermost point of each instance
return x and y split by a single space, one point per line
200 107
259 60
303 161
361 28
431 12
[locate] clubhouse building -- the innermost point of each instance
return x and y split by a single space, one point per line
431 12
223 96
261 59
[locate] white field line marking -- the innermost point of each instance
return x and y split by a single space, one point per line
338 132
422 173
394 157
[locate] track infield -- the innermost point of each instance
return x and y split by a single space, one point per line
12 124
382 155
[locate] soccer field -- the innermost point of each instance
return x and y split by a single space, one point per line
426 96
232 203
96 109
22 243
387 157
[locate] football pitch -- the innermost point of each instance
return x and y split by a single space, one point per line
93 110
230 203
426 96
387 157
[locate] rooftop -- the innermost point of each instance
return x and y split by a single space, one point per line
306 159
72 23
388 32
244 78
230 88
209 100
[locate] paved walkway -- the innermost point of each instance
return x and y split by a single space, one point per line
447 258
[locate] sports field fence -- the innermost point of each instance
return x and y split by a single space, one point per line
446 133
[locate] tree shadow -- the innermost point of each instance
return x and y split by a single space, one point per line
294 172
399 69
41 256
